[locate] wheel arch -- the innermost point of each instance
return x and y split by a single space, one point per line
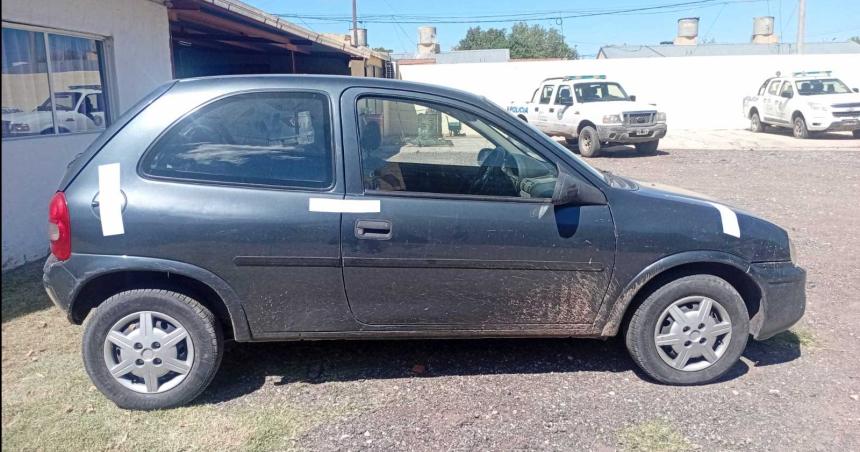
723 265
523 117
582 125
751 111
797 113
143 273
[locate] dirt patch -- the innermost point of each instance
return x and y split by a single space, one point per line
797 391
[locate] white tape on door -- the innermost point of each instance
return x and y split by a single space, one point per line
344 205
110 200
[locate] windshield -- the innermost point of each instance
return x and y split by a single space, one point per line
66 101
599 92
821 86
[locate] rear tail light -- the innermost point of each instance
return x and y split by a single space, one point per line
60 227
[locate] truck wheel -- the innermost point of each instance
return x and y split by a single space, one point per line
689 331
648 147
800 130
589 142
856 133
150 349
755 123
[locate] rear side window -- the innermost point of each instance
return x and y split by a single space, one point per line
546 94
268 138
773 90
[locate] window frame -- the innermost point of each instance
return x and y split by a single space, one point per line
552 88
105 48
408 97
775 83
292 188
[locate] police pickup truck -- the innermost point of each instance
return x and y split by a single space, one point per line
806 102
590 111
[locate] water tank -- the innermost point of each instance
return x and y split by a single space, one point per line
426 35
361 36
763 26
688 27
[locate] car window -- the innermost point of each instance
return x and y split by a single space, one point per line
821 86
599 92
271 138
773 90
787 89
412 146
763 87
546 94
564 93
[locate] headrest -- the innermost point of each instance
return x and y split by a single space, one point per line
371 135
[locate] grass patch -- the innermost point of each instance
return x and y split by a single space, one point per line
23 292
656 435
796 338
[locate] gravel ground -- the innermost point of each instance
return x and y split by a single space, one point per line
798 391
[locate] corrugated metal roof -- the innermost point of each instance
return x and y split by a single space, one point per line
668 50
462 56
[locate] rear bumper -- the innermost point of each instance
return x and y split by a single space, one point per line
59 283
783 300
631 134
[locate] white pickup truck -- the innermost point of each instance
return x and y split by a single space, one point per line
590 111
806 102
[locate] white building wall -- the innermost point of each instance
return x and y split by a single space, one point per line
695 92
138 32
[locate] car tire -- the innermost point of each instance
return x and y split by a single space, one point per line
648 147
855 133
799 128
755 123
589 142
681 359
157 376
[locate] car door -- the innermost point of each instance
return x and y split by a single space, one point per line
238 187
543 105
770 100
781 110
447 236
566 115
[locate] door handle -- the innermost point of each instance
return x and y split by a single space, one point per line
551 110
373 229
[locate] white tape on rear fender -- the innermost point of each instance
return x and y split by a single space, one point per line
729 219
344 205
110 200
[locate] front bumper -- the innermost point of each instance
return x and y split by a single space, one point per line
830 123
783 297
631 134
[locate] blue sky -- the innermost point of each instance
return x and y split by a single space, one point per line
726 23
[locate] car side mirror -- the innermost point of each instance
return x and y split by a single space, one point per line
788 95
570 190
633 98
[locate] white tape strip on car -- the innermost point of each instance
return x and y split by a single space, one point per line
110 200
344 205
729 219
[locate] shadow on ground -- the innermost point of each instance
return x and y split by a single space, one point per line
23 292
246 366
618 151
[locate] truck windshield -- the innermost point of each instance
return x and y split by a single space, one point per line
821 86
599 92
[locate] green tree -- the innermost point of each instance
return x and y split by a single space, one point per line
382 49
524 41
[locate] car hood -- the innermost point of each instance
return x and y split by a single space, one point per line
830 99
673 219
616 107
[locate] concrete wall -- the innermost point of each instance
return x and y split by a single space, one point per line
695 92
32 167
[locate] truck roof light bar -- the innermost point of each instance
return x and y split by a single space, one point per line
812 73
585 77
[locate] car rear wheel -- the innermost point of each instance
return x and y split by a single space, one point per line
799 127
151 349
755 123
690 331
648 147
589 142
856 133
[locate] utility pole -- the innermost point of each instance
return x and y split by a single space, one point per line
801 25
354 26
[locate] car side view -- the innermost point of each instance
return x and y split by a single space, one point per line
262 208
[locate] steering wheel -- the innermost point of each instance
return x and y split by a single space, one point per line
491 173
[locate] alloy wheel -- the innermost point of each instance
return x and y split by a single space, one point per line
693 333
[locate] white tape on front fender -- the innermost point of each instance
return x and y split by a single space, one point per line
344 205
110 200
729 219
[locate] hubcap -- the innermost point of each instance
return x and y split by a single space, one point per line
148 352
693 333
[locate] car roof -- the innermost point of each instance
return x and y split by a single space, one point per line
333 83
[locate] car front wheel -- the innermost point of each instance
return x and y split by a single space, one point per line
589 142
690 331
151 349
799 128
755 123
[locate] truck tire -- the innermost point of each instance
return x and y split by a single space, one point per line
690 331
648 147
149 349
856 133
755 123
799 127
589 142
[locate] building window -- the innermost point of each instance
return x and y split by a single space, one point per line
52 83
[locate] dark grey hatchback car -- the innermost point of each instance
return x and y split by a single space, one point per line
265 208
